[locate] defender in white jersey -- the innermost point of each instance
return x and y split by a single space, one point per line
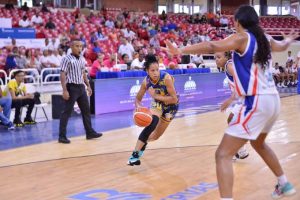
254 84
233 104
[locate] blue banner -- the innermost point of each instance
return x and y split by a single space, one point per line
17 33
115 95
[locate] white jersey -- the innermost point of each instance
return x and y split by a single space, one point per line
249 77
256 87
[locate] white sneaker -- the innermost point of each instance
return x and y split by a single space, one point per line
242 154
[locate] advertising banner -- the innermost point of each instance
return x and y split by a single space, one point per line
114 95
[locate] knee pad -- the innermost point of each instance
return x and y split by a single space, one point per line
149 129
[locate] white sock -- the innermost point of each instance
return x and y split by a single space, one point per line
282 180
226 198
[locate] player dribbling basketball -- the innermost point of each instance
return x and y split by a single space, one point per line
160 86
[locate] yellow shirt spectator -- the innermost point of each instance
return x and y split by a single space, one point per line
20 90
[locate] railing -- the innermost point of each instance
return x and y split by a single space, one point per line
32 74
5 77
47 74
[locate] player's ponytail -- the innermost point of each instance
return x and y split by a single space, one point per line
247 17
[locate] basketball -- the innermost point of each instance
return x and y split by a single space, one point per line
142 117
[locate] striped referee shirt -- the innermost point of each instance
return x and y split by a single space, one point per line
74 68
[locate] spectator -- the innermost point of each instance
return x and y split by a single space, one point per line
109 63
31 60
61 52
45 59
47 44
292 74
224 21
171 62
125 60
196 38
64 46
138 63
163 15
277 75
20 98
50 24
9 6
83 40
120 20
25 7
110 23
197 19
36 20
44 8
126 48
127 33
228 30
100 36
205 37
97 65
203 19
10 63
96 48
125 13
24 22
53 45
165 28
144 24
185 59
290 58
5 109
94 37
154 42
172 26
197 60
55 59
146 18
72 27
2 61
21 59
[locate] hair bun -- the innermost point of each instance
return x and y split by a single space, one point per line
150 58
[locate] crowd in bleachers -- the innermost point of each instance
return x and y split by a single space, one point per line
113 37
287 76
129 34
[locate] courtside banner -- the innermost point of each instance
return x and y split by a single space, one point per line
22 33
115 95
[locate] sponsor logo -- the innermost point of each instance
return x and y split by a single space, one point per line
111 194
135 89
190 85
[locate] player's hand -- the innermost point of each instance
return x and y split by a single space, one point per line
170 48
152 93
1 109
29 96
225 105
66 95
89 91
291 36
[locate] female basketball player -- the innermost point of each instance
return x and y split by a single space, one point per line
224 62
254 83
160 86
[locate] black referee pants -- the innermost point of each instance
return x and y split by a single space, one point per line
77 93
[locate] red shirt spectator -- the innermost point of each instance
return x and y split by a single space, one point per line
110 62
97 65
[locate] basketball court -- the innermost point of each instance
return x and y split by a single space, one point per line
180 165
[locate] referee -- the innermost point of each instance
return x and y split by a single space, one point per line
73 78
